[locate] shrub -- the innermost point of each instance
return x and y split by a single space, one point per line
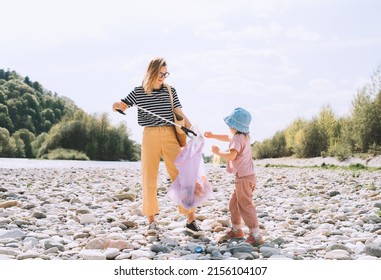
375 149
271 148
66 154
357 166
340 151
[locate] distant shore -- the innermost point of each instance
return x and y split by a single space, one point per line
318 161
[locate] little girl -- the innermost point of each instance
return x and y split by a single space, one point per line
239 162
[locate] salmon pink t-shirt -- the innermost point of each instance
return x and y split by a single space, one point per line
243 164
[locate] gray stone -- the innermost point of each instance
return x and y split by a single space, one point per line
39 215
51 243
337 255
333 193
338 247
377 205
242 248
243 256
268 251
8 251
28 255
5 221
157 248
374 249
13 233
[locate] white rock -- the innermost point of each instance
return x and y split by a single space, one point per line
92 255
88 219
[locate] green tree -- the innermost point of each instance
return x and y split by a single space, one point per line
364 121
10 146
17 147
27 137
5 121
328 127
38 122
4 141
313 141
271 148
293 135
38 143
377 121
2 74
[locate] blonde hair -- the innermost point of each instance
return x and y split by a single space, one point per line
152 73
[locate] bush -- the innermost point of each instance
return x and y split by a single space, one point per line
271 148
357 166
375 149
66 154
340 151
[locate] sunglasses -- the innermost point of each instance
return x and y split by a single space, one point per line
165 75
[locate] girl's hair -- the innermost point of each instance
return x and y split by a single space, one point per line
246 134
152 73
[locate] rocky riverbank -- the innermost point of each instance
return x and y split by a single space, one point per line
95 213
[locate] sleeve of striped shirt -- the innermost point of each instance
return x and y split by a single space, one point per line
131 98
176 101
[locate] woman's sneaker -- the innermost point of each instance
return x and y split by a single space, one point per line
255 240
153 229
193 228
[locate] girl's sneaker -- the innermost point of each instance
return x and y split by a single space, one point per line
235 233
255 240
232 234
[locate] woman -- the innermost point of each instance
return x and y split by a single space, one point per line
159 138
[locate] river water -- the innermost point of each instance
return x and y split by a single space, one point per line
14 163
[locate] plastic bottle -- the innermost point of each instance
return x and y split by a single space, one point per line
198 249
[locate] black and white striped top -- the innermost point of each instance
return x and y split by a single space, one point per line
158 102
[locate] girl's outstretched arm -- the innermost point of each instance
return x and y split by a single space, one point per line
229 155
220 137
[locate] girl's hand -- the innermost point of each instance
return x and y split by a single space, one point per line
215 150
119 106
208 134
198 190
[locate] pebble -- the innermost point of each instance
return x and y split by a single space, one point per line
94 213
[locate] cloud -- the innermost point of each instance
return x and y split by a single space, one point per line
320 84
273 31
244 61
302 34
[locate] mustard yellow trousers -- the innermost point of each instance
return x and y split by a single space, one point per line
157 142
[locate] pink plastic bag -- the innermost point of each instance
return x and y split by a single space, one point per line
191 173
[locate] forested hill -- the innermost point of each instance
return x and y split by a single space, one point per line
36 123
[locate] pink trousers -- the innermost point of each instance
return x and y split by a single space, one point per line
241 203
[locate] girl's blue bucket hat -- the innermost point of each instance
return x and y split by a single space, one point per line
239 120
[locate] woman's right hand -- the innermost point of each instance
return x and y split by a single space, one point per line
119 106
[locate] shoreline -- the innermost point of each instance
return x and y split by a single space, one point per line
318 161
9 163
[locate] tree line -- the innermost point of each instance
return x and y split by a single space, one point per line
329 135
35 123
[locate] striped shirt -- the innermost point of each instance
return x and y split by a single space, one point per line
158 102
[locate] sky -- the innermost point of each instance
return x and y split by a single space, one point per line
278 59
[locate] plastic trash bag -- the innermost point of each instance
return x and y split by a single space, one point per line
191 188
